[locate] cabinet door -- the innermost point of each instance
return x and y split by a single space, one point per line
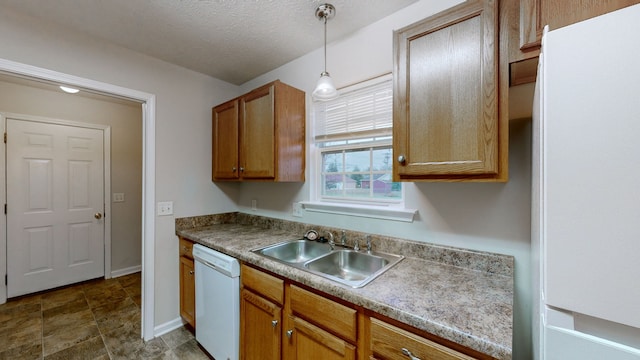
446 118
309 342
187 291
258 134
535 14
224 155
260 327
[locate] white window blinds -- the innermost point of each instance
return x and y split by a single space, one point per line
359 111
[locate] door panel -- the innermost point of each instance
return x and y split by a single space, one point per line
258 134
55 187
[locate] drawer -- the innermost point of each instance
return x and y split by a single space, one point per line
388 342
325 313
264 284
186 248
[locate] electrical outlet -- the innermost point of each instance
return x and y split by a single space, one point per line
254 205
165 208
297 209
118 197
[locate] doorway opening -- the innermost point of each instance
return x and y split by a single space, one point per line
148 172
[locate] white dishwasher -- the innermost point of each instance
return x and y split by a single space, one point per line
217 302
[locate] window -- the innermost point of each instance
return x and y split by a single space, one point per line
353 136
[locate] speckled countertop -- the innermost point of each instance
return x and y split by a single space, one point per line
460 295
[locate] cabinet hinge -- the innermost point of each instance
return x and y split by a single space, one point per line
5 209
5 137
6 282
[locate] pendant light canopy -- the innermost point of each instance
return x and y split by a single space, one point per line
325 90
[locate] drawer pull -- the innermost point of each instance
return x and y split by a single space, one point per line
409 354
289 333
274 323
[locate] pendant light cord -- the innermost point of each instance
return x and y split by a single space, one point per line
325 43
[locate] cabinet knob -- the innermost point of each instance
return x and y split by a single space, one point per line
409 354
402 159
233 169
241 169
274 323
289 333
191 272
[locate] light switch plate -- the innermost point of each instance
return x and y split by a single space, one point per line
165 208
118 197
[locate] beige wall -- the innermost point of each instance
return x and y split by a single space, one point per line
125 120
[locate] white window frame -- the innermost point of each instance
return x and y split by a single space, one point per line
391 209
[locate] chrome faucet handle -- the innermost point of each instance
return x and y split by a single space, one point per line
356 247
343 238
332 243
368 237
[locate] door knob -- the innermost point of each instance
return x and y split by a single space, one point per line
98 216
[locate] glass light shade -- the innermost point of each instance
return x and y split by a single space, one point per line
325 90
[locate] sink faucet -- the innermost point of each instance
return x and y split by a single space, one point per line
343 238
332 243
356 247
368 237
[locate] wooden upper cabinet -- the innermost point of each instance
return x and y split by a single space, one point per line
260 135
446 120
535 14
225 160
528 18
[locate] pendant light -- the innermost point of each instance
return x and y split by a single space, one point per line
325 90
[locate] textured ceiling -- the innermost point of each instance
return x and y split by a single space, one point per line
234 41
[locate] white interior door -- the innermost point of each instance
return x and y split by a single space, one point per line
55 203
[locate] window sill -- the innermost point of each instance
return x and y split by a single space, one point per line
374 212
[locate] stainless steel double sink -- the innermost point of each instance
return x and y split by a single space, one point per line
344 265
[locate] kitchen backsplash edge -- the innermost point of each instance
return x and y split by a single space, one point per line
471 259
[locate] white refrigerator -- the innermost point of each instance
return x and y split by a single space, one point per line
586 191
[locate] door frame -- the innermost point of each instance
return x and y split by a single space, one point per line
148 101
106 153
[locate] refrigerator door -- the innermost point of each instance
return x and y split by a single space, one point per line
565 344
591 175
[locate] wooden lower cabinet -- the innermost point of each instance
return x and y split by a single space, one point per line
260 327
280 319
392 343
307 341
261 305
187 284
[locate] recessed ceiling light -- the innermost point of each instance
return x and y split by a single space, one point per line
68 89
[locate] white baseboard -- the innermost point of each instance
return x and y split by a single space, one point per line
168 327
126 271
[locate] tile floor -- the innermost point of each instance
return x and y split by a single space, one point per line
97 319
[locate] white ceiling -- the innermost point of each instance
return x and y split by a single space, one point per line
234 41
